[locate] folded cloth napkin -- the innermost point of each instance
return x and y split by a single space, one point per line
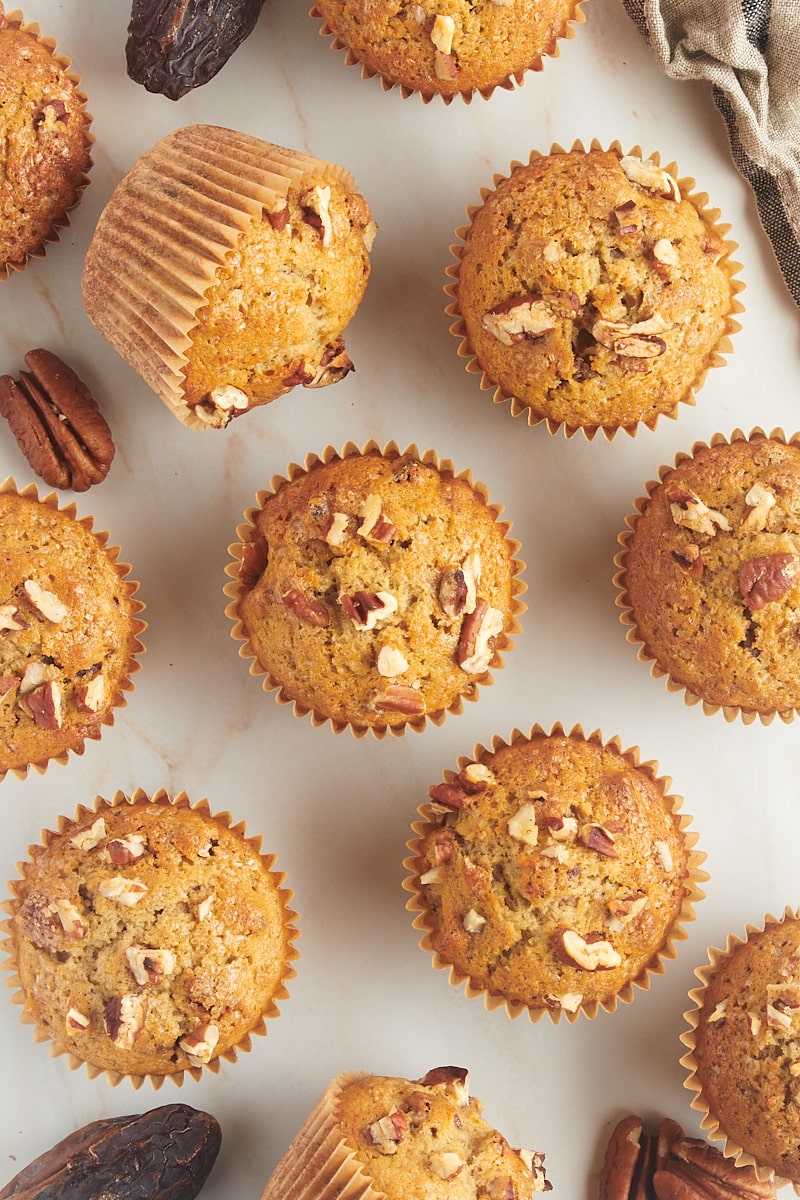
749 51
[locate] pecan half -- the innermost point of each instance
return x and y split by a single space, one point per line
400 698
479 633
762 580
57 423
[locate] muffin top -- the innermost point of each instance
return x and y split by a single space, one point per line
376 590
448 48
747 1050
44 143
591 291
427 1137
552 872
69 631
712 574
150 937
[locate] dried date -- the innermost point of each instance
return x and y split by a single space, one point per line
164 1154
176 45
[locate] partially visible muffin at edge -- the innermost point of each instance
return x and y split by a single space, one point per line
375 589
45 142
225 269
593 290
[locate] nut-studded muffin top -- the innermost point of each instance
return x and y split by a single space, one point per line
712 574
150 937
591 291
747 1049
552 872
427 1137
44 148
469 47
68 632
377 591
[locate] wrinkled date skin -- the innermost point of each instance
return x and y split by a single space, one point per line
164 1154
176 45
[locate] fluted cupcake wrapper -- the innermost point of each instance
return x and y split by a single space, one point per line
165 232
610 428
85 817
282 688
424 920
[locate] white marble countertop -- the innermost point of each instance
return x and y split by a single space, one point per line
337 811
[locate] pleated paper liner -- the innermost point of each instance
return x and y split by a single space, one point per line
608 425
319 1162
168 227
462 789
426 84
714 1122
55 744
782 670
60 219
381 722
69 1044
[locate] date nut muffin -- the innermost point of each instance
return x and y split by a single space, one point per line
224 269
552 873
45 142
375 589
149 937
709 575
743 1053
373 1137
593 289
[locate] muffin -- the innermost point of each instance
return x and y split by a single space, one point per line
710 571
593 290
375 589
552 873
225 269
465 50
743 1059
70 630
387 1139
44 142
149 937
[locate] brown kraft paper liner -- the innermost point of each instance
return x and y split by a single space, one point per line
16 18
84 815
138 625
506 82
709 1123
695 876
724 347
167 229
282 691
729 712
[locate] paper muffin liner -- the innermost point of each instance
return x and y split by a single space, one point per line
731 712
84 816
282 691
507 82
138 625
710 1121
656 966
15 17
165 232
465 350
319 1162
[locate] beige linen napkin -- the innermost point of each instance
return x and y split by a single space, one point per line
749 51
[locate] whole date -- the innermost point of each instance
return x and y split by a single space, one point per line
164 1154
176 45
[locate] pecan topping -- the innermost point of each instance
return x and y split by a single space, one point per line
762 580
759 501
454 1077
374 523
649 175
387 1132
44 705
124 1018
521 317
689 511
365 609
254 560
333 366
690 560
457 586
313 612
479 633
149 966
590 953
474 779
598 838
628 218
199 1044
401 699
57 423
125 850
279 217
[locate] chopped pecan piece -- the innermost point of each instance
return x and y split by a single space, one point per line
759 501
148 965
400 698
590 953
768 578
690 560
514 320
456 1078
334 365
689 511
374 523
122 851
365 609
649 175
254 560
312 612
124 1018
479 633
599 839
387 1132
316 211
45 603
43 703
628 218
199 1044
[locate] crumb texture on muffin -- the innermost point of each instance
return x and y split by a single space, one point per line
149 937
591 291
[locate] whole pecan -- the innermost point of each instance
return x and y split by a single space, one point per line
166 1154
57 423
